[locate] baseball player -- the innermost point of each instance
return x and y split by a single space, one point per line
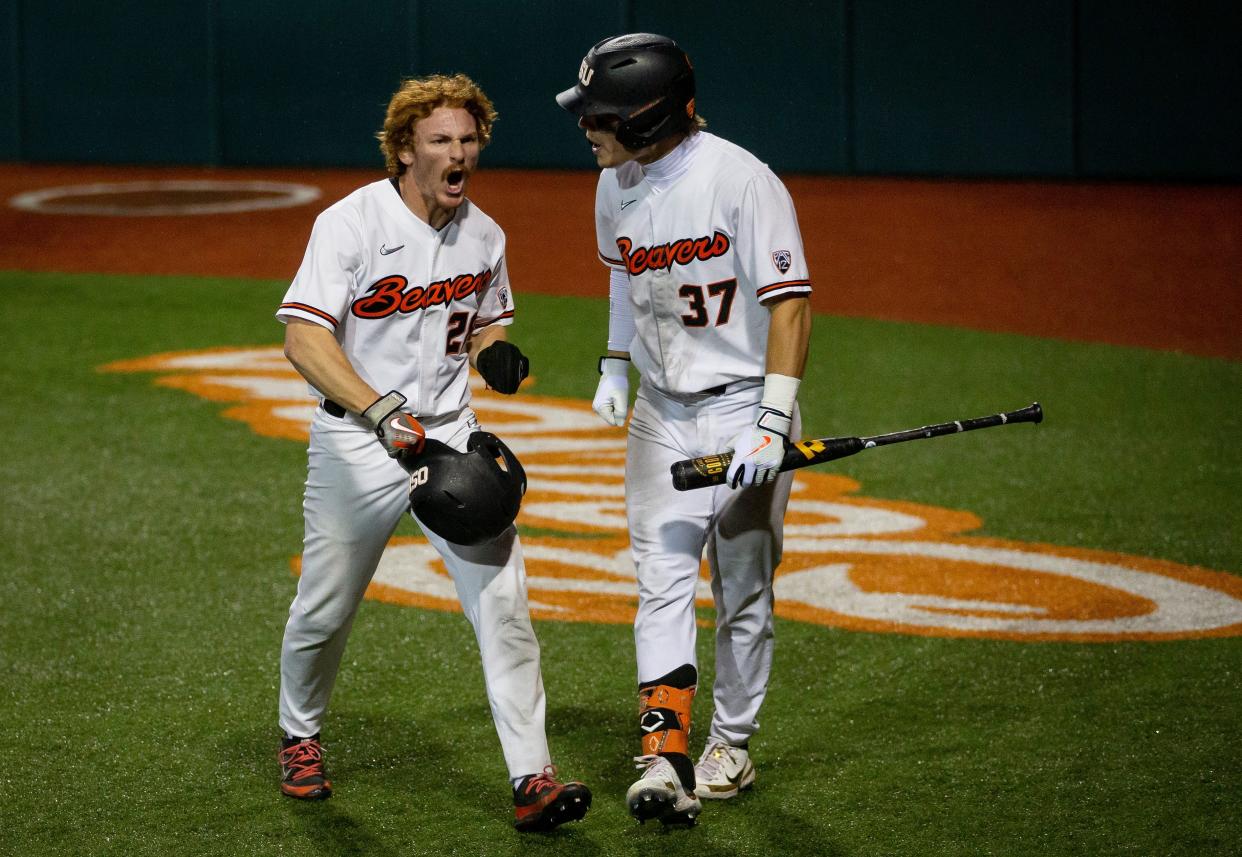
709 301
402 286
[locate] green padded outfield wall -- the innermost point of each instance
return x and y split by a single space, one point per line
975 87
1057 88
116 82
1160 94
10 110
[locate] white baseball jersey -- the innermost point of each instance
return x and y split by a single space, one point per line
402 297
702 257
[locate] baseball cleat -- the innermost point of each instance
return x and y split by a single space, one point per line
540 803
659 793
301 770
722 771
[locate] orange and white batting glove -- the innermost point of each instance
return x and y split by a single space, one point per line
612 396
759 449
396 430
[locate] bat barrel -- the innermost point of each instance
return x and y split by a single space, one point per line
701 472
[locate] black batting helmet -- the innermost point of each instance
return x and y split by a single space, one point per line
465 497
643 78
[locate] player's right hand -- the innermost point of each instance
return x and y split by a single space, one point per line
396 430
612 396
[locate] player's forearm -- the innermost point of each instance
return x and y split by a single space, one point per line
789 336
620 314
483 338
317 356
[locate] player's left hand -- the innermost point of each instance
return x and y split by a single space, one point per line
759 449
503 366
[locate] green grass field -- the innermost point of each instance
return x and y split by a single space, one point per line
146 545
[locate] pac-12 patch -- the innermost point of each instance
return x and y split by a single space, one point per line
782 259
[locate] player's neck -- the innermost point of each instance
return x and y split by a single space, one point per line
655 151
424 208
662 174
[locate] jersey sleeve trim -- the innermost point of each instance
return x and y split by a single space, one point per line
504 318
612 263
296 309
791 286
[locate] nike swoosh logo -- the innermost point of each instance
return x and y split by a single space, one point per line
626 204
384 251
733 782
767 439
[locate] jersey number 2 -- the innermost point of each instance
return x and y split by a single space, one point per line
458 325
725 290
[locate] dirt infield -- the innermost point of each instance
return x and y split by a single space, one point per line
1158 266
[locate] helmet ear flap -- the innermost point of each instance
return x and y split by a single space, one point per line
646 126
671 112
502 458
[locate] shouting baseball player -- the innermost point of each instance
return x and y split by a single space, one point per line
709 300
403 284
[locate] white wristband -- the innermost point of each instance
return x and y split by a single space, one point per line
614 366
780 392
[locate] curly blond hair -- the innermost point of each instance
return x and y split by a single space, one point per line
416 98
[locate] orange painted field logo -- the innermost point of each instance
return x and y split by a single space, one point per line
850 561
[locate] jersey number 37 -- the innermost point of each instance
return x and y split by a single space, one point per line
698 317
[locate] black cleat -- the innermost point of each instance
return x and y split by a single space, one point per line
540 803
301 769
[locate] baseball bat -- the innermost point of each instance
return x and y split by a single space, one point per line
711 469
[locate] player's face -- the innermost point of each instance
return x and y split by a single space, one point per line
601 133
439 163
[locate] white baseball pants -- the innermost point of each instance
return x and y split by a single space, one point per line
355 496
739 530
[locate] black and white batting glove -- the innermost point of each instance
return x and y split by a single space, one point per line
503 366
612 396
759 449
396 430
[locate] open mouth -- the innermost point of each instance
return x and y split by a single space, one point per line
456 180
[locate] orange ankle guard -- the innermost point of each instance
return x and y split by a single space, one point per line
664 718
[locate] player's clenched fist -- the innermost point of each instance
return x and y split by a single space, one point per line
396 429
759 449
503 366
612 396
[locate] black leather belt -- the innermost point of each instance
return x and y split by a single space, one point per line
333 408
714 391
